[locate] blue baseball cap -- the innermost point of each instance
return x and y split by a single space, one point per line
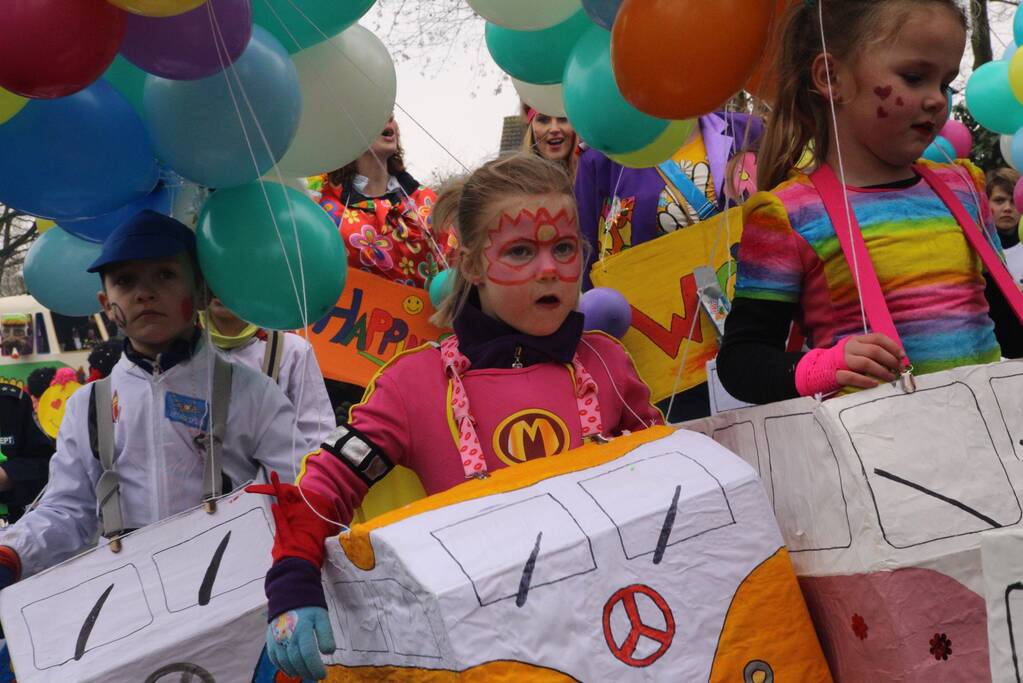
146 235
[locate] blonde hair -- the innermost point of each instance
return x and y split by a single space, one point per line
530 146
801 115
467 206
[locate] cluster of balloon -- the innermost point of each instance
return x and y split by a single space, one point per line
123 105
994 96
613 66
954 141
606 310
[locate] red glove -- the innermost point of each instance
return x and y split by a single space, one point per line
300 530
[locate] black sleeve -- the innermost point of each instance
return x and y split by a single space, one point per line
753 364
28 464
1008 329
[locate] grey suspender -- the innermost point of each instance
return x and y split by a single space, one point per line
272 355
108 488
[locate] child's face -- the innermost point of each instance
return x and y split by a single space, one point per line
1004 209
893 97
152 301
531 263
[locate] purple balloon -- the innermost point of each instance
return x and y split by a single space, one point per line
185 47
605 309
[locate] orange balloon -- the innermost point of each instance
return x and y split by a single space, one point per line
677 59
764 80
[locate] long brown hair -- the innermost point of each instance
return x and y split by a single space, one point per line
467 204
801 116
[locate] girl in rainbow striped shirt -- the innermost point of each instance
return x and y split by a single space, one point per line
863 85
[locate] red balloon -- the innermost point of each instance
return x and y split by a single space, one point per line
54 48
676 59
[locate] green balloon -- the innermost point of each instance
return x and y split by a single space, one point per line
594 104
990 100
128 79
299 24
536 56
243 262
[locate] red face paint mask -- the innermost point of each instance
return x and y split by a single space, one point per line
525 247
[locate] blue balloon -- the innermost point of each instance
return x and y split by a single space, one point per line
55 273
81 155
602 12
1010 50
441 286
96 229
1017 27
990 100
204 129
1016 149
941 150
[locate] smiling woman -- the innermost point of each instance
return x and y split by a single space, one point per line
551 137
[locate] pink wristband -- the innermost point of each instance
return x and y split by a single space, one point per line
817 371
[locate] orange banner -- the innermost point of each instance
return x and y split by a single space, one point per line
373 321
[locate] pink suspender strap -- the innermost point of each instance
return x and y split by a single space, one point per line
469 447
847 229
977 240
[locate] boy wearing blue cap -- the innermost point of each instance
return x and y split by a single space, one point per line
150 440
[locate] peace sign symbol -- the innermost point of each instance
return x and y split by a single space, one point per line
626 650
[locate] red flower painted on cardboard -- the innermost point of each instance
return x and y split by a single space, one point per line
859 627
941 646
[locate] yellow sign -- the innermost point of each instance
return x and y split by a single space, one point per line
373 321
530 434
657 279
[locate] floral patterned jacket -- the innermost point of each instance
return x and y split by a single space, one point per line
390 236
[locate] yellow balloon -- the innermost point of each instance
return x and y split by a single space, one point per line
661 149
1016 74
10 104
43 224
52 405
157 8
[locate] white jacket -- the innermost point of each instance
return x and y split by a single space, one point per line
300 379
157 418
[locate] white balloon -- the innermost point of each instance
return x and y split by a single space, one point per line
1005 145
348 88
525 15
546 99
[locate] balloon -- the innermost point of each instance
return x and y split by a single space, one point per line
441 286
44 224
941 150
1009 51
129 80
1017 28
158 8
661 149
96 229
244 264
602 12
52 405
337 126
53 48
596 108
1005 147
525 15
764 80
959 135
536 56
1016 151
299 25
546 99
1017 195
659 76
82 155
605 309
1016 74
196 128
186 46
55 273
10 104
991 101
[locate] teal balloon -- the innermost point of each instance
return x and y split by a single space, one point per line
941 150
207 133
595 106
299 24
242 259
55 273
536 56
990 100
441 287
1017 27
127 79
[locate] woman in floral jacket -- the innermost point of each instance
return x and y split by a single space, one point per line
384 214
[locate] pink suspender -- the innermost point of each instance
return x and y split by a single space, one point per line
880 318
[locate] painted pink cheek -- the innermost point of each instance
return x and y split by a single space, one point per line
187 309
899 102
884 93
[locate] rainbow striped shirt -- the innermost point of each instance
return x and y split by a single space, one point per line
932 281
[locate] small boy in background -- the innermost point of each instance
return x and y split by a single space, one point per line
1001 188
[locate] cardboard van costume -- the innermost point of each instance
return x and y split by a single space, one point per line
653 557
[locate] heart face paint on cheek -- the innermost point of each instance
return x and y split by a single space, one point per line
882 113
884 93
119 317
524 246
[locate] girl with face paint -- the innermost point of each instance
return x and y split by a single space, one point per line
518 380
